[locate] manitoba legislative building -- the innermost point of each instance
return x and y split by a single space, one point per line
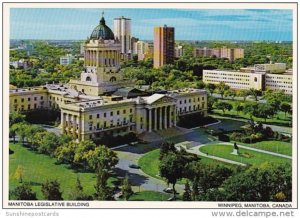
103 102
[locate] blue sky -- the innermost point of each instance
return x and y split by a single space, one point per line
55 23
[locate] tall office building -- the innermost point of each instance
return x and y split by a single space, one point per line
163 46
122 32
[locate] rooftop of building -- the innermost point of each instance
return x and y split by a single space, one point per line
102 31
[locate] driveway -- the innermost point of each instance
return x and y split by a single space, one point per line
53 129
129 155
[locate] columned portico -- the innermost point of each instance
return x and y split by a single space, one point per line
160 117
150 120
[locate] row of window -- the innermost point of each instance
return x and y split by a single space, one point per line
272 81
225 78
181 110
111 113
117 131
99 126
280 86
190 100
28 99
231 83
225 74
22 107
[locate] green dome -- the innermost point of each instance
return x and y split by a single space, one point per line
102 31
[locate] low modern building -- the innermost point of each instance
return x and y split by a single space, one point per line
178 51
66 60
251 79
229 53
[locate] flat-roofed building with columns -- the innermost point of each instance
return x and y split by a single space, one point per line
93 119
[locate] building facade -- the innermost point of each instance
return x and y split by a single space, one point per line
248 80
178 51
122 32
66 60
229 53
143 50
164 43
94 119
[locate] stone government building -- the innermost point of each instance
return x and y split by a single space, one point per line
103 102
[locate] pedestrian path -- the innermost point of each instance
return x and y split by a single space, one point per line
259 150
196 150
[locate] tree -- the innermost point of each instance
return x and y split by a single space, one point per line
262 183
13 130
285 107
222 88
212 176
65 153
211 88
195 189
210 102
255 93
172 168
46 142
250 109
231 93
51 190
19 174
243 93
223 106
77 193
103 192
16 117
187 195
82 150
239 108
126 188
264 111
23 192
102 157
165 148
31 130
20 130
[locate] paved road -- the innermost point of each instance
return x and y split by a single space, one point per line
281 129
130 155
195 150
53 129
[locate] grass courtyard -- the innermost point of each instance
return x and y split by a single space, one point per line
246 156
273 146
38 168
149 163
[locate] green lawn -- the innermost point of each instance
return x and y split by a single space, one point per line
279 118
38 168
274 146
149 163
246 156
149 196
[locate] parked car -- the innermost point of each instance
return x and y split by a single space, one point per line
134 166
168 190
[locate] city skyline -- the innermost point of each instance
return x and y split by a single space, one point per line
74 24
